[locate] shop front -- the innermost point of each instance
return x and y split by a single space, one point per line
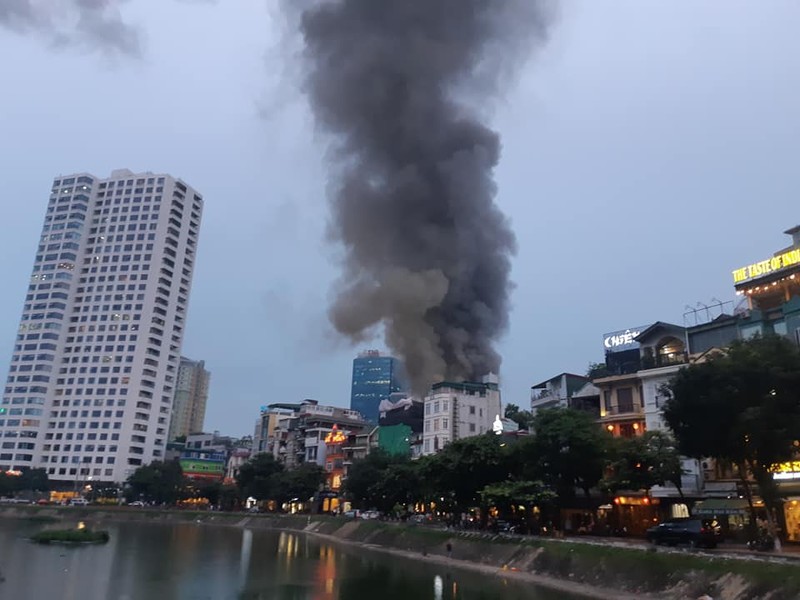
634 515
787 479
733 515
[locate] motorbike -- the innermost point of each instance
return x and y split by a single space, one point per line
763 543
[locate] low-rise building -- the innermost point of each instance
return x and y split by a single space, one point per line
401 425
459 410
621 401
556 392
296 433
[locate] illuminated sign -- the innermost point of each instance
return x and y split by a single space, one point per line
619 341
765 267
336 436
786 471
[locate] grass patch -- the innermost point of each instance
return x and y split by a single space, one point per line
70 536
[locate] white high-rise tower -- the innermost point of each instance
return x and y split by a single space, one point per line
90 387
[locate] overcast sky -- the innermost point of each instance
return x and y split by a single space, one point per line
649 149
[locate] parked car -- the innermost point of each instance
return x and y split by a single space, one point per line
351 514
79 502
137 504
695 532
420 518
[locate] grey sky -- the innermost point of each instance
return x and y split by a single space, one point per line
649 148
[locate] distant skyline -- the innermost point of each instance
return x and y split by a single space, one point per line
648 150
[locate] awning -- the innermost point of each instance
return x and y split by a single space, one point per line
716 507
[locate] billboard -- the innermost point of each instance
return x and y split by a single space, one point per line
619 341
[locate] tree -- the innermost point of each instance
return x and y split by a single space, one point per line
398 485
741 407
454 477
568 451
641 462
229 497
664 460
256 477
8 484
160 482
34 479
507 495
300 483
210 490
523 418
363 474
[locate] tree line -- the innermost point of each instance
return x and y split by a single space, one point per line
567 456
262 478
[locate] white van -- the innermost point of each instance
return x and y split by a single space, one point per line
79 502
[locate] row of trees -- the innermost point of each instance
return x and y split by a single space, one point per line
567 455
262 478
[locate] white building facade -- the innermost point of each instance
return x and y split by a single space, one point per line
459 410
91 382
663 354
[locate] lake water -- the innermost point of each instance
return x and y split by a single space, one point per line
189 561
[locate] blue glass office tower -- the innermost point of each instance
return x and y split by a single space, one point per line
375 377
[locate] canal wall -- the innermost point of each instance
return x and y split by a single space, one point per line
593 570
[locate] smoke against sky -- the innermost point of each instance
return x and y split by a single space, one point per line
90 24
401 85
628 200
95 24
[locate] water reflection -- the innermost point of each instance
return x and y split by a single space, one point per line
196 562
244 555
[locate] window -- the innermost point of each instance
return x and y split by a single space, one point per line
472 411
472 427
625 400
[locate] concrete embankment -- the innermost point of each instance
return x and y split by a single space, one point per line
592 570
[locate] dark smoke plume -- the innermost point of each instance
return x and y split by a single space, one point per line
95 24
401 85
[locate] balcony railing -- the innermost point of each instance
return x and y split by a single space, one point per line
664 360
623 409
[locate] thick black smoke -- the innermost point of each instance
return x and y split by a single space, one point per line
401 85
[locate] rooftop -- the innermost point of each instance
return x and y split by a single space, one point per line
464 386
